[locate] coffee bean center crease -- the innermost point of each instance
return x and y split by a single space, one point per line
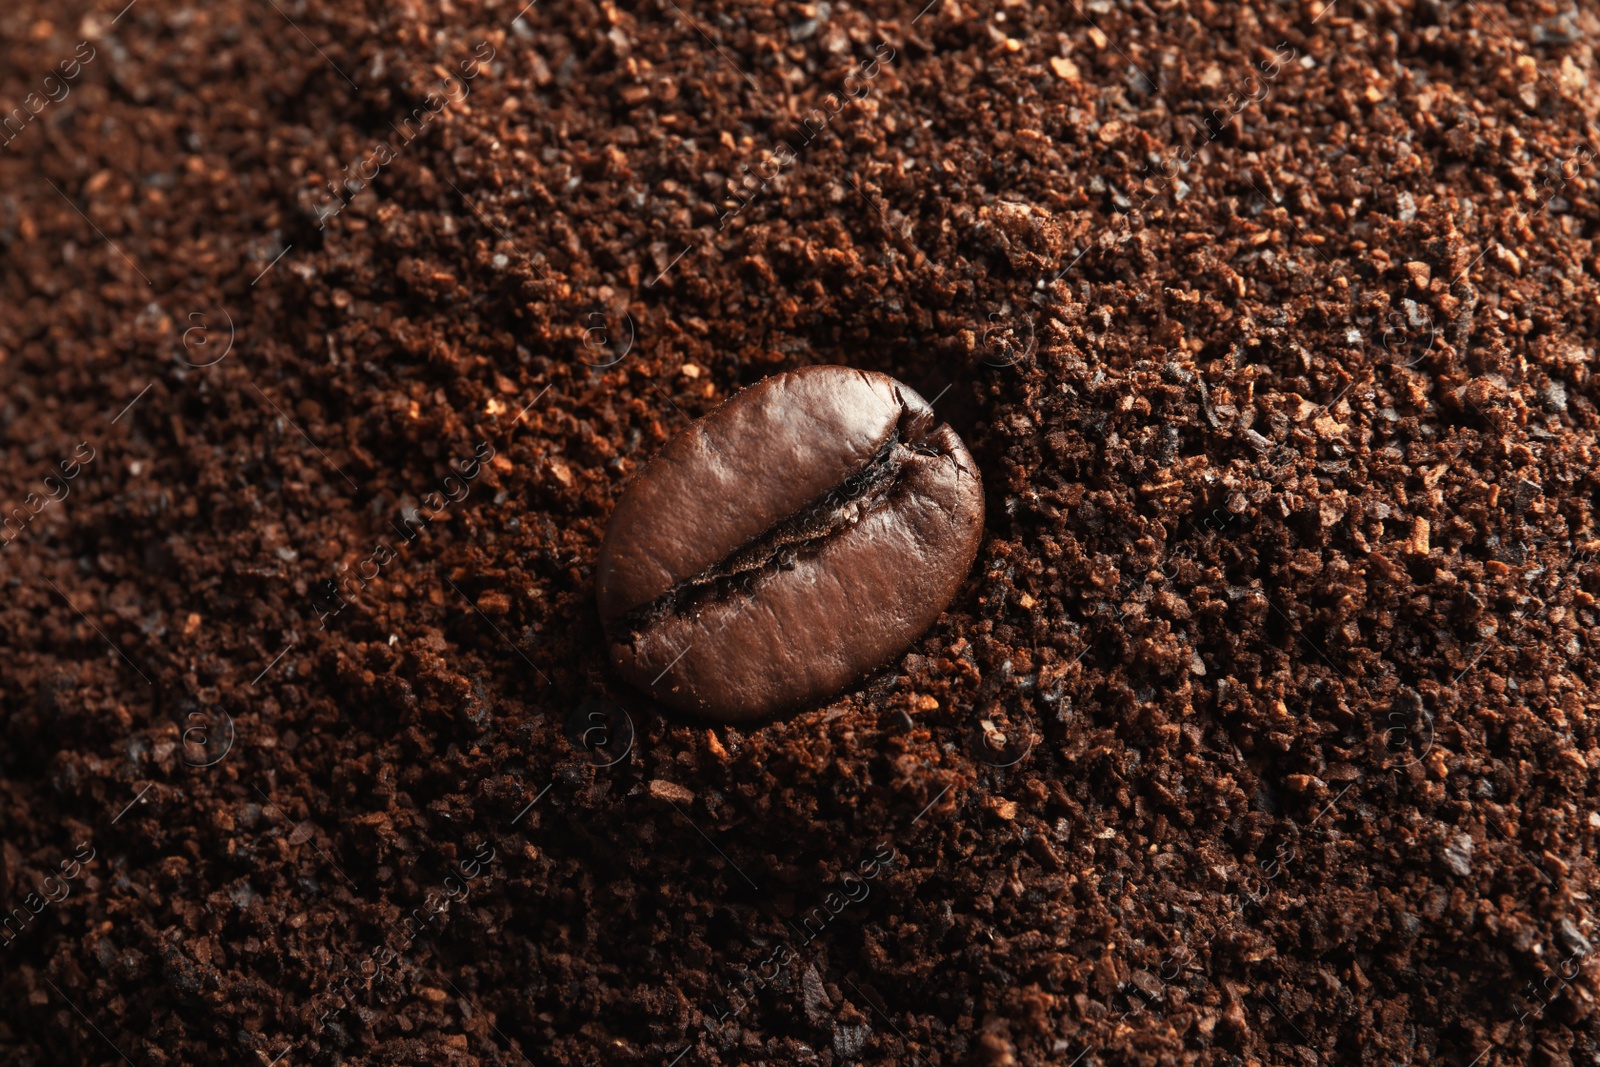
788 543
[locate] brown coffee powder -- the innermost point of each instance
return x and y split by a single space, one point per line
1264 731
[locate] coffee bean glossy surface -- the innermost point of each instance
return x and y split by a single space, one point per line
787 543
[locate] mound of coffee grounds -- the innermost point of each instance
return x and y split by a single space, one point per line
1264 730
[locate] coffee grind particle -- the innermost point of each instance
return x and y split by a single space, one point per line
788 542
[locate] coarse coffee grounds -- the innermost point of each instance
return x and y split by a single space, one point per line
1263 732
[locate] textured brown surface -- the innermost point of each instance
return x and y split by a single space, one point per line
1285 608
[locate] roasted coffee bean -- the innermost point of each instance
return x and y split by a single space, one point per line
784 545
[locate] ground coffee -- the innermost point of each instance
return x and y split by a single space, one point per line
1267 731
